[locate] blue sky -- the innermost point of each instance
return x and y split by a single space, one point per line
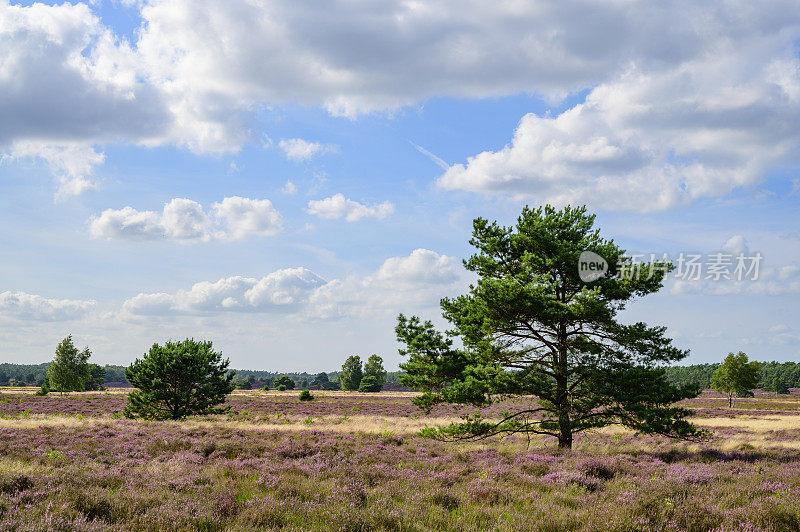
285 181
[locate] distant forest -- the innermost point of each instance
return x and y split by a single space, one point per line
35 374
787 374
774 375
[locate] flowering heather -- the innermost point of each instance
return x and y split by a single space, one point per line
85 470
254 404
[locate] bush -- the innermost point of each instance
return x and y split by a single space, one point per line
285 381
280 388
370 383
178 380
305 395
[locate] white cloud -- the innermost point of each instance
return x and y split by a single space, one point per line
771 281
401 284
289 188
651 140
422 266
780 328
72 164
414 281
23 306
302 150
736 245
686 101
337 206
354 59
66 83
244 216
281 290
127 224
185 220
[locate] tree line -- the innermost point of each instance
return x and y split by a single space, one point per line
36 375
776 377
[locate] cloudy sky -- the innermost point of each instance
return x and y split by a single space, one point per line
284 179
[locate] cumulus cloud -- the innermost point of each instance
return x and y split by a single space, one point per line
423 266
337 206
23 306
737 244
651 140
72 164
686 100
771 281
185 220
739 271
354 59
282 289
244 216
290 189
67 83
302 150
414 280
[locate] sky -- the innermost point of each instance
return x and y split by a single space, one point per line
284 179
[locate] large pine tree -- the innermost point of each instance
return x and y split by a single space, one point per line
532 326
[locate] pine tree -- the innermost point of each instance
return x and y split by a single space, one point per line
533 325
177 380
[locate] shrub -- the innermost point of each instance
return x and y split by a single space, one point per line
285 381
280 388
305 395
370 383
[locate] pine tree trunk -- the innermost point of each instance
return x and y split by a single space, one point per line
562 392
565 432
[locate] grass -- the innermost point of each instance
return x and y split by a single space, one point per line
355 462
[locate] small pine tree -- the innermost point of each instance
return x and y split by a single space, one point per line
177 380
69 370
306 395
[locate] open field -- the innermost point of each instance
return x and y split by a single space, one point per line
354 462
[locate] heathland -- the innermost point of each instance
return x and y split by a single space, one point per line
352 461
